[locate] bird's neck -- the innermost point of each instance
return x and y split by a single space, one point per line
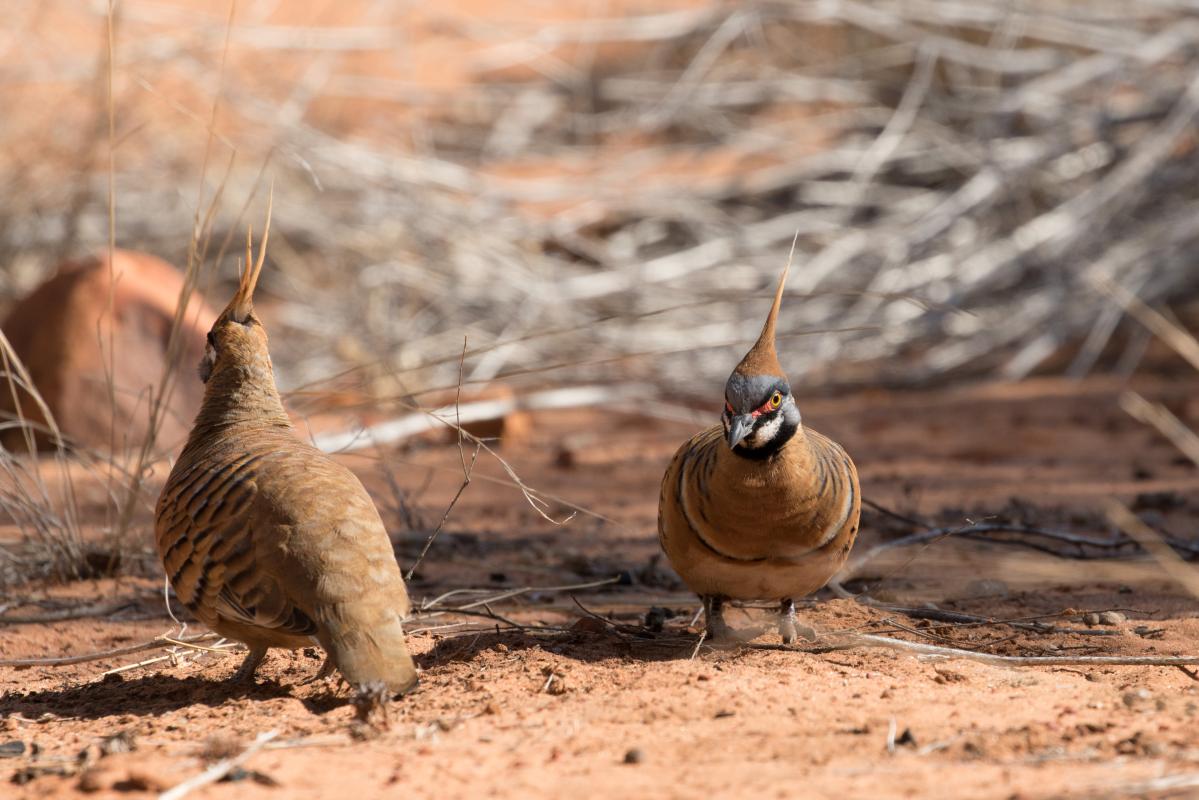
790 435
241 393
785 458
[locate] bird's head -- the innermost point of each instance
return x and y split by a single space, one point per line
760 414
237 340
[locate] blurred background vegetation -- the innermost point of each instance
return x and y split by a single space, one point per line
607 189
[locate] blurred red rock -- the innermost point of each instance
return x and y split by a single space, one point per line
61 333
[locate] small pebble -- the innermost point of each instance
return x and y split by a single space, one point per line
1112 618
634 756
987 587
655 618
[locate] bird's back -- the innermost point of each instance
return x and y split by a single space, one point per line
270 541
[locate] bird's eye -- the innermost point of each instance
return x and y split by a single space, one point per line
776 400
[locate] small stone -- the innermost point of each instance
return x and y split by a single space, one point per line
1112 618
1090 620
145 779
93 780
220 746
588 625
1131 698
634 756
656 617
556 685
987 587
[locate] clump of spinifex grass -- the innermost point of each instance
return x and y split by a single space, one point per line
53 545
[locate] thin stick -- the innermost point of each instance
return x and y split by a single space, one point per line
219 769
702 635
432 605
467 469
940 651
67 613
155 644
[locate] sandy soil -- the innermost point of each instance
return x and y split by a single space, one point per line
579 705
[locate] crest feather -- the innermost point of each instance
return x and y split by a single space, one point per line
242 305
762 359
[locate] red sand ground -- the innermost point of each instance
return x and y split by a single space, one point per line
552 713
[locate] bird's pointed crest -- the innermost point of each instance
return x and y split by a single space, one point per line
762 359
242 304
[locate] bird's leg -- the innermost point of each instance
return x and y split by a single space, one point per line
787 620
324 672
333 682
789 626
253 658
714 622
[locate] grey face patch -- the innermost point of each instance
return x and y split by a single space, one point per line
747 393
757 435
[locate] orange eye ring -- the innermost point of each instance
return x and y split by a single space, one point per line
776 400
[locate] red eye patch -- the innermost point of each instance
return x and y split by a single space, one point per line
774 402
769 405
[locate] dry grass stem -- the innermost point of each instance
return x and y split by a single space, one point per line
219 769
1153 543
1168 425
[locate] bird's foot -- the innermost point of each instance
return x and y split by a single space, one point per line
787 621
715 628
245 673
790 627
334 681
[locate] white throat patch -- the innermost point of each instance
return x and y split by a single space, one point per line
764 434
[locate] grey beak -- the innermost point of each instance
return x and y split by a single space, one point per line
739 428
